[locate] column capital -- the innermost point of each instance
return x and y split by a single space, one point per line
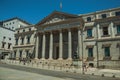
69 29
60 30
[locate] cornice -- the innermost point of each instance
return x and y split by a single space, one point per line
108 39
102 39
109 19
24 33
61 22
22 46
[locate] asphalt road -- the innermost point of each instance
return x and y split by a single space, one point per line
59 74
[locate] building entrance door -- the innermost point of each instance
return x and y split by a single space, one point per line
57 52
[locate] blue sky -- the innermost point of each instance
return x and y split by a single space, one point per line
35 10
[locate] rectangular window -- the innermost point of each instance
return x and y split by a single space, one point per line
118 29
105 30
16 41
20 54
107 51
90 52
22 40
14 54
17 31
117 13
4 37
9 38
29 29
88 19
103 15
3 45
9 45
23 30
27 54
12 27
89 32
28 40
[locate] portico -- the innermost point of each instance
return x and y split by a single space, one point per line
58 40
57 45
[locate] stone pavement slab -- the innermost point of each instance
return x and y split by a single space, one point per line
10 74
91 71
103 72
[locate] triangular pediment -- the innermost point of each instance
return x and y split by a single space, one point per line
56 17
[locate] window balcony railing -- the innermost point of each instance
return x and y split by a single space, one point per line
90 58
118 34
21 43
89 37
107 58
105 36
16 44
119 57
28 42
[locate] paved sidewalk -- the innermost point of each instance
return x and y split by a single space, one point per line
11 74
91 71
103 72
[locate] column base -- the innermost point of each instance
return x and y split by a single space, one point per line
50 59
36 58
60 58
42 59
69 59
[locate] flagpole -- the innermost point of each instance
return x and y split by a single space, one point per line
61 6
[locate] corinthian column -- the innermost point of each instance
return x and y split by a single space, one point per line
69 44
51 46
43 46
79 42
60 45
37 47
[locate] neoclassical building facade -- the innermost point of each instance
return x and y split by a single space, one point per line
93 38
64 39
102 38
58 38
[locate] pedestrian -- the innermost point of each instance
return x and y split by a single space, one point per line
84 66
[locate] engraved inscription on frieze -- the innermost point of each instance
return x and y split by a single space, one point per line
55 18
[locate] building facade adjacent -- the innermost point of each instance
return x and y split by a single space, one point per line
24 47
102 38
7 39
